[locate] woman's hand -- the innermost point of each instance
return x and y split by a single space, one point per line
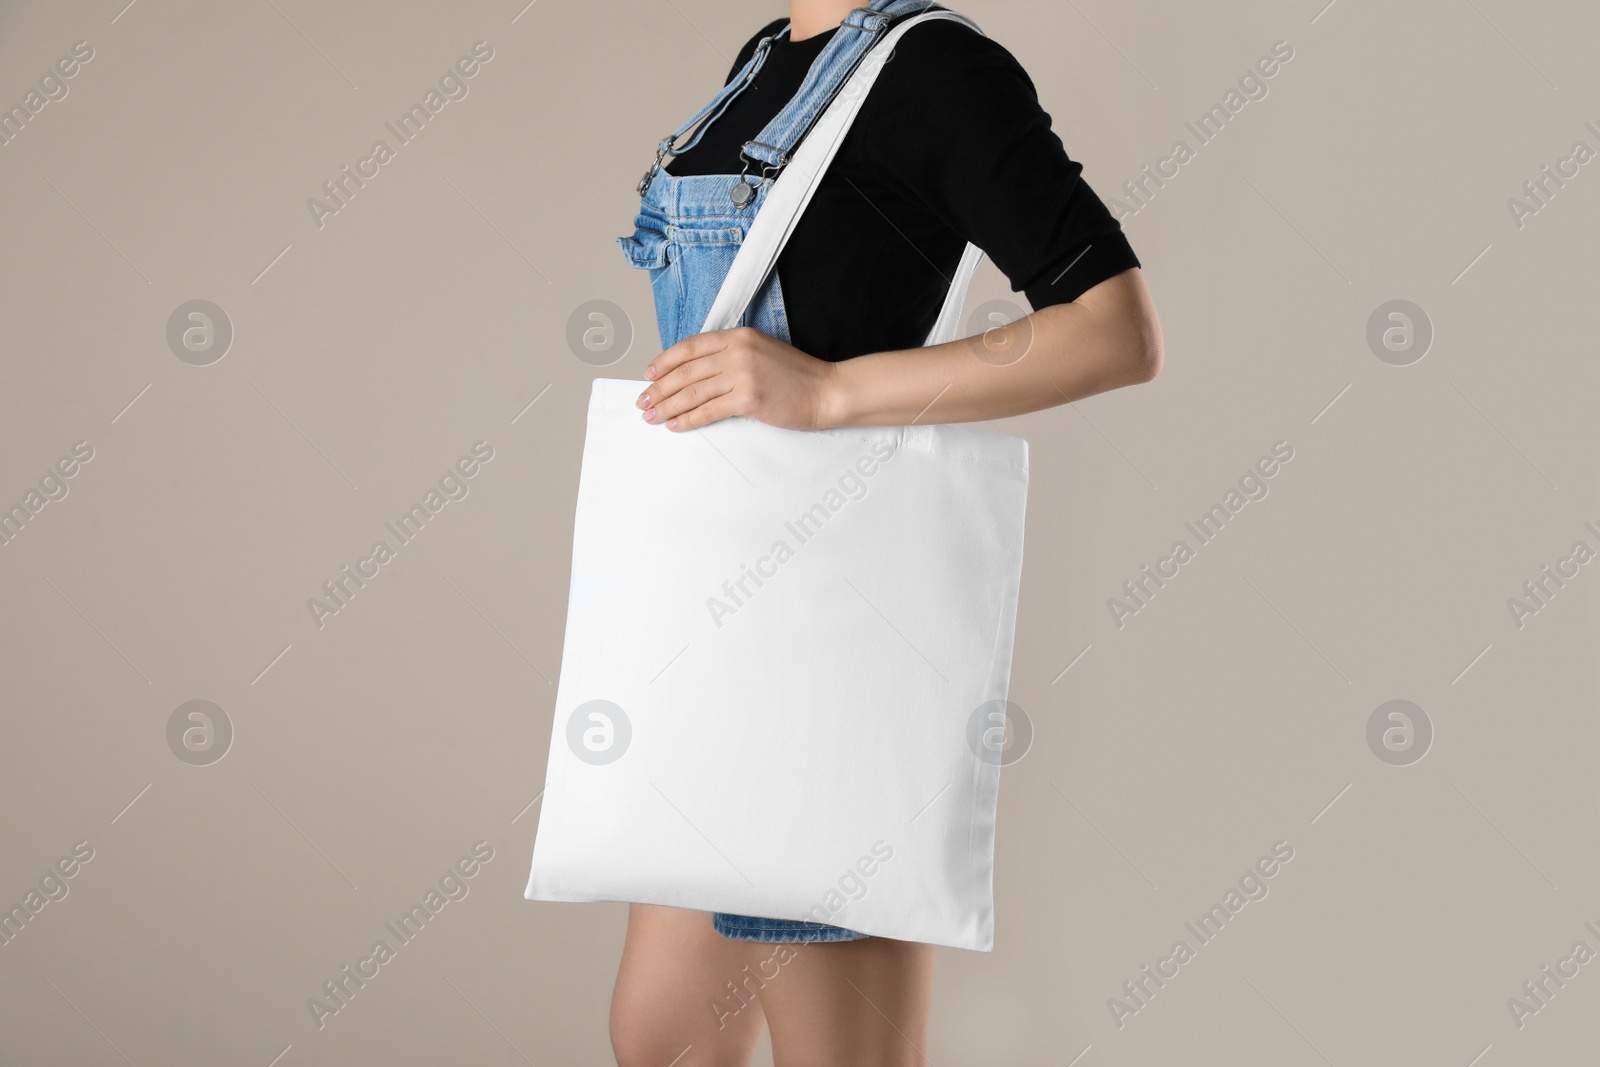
741 371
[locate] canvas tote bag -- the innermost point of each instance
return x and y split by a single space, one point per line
786 651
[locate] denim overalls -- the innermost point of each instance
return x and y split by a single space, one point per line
689 229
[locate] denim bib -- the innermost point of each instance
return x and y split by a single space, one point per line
690 228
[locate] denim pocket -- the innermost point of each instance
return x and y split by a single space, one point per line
705 235
688 256
646 248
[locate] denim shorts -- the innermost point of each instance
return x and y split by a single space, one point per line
755 928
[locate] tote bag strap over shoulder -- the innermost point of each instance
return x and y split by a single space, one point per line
793 190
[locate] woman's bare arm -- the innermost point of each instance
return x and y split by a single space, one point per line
1107 338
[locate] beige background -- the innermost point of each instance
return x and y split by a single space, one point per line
432 311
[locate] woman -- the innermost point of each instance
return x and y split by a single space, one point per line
950 146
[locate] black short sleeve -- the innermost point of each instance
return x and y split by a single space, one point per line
955 121
950 146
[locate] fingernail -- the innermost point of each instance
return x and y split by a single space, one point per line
650 414
650 372
672 424
644 399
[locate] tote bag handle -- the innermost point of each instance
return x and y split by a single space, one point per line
793 190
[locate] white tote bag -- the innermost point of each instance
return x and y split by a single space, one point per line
785 651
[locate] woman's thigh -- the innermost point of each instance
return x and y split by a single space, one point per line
850 1003
672 1004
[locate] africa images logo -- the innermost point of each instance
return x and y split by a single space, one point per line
851 485
452 85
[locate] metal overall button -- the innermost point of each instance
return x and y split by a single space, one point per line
743 192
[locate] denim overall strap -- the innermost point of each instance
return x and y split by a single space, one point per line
713 110
801 175
860 29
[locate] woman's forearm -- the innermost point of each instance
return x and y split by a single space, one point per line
1106 339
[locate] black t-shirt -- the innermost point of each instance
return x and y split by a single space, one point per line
950 146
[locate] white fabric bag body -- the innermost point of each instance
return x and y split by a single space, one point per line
784 650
